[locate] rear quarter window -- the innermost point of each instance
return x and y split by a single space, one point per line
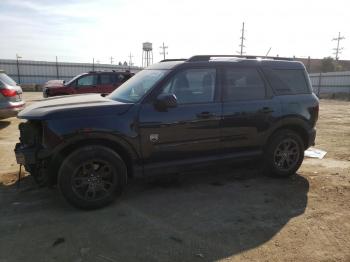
287 81
243 84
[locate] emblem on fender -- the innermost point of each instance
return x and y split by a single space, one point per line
154 138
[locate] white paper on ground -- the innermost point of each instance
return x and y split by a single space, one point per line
315 153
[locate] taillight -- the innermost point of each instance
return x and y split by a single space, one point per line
317 108
8 92
314 114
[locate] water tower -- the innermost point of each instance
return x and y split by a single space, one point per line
147 54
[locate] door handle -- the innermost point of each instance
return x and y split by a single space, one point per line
266 110
205 115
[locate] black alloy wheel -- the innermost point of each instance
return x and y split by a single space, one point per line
286 155
93 180
90 177
283 154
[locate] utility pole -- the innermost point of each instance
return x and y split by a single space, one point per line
57 69
93 64
163 47
337 49
18 74
130 60
111 60
242 41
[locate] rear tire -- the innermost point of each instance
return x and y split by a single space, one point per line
284 154
90 177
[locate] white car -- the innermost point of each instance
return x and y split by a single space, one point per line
10 96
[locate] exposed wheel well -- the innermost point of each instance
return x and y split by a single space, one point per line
59 157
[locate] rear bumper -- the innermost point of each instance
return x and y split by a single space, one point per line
11 110
312 137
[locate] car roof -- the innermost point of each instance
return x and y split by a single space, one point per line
108 72
204 60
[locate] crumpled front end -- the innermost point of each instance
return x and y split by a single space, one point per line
30 152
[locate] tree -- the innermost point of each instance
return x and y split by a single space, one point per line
120 63
328 64
125 63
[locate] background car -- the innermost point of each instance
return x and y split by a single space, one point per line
10 96
92 82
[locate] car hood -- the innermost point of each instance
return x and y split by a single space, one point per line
54 83
85 105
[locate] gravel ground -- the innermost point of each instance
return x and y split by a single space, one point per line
231 214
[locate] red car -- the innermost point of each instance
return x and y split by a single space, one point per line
91 82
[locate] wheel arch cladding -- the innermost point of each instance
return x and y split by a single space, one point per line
125 153
301 131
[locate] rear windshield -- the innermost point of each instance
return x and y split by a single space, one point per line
287 81
7 80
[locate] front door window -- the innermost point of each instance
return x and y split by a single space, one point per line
192 86
89 80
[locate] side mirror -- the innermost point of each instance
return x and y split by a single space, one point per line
165 101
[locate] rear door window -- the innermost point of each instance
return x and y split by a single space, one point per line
105 79
242 84
287 81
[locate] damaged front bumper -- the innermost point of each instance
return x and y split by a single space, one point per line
30 155
25 155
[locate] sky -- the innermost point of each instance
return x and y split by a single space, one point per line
80 30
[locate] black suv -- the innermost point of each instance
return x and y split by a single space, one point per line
174 115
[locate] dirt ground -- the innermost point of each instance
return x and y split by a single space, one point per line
231 214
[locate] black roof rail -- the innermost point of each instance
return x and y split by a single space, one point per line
202 58
170 60
109 71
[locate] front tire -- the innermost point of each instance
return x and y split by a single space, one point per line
91 176
284 154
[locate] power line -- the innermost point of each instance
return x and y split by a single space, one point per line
242 46
163 47
338 49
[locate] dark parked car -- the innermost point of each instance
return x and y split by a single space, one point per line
172 116
92 82
10 96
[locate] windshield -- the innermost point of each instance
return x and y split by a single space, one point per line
137 86
70 81
7 80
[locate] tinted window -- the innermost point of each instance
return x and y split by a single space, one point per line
243 84
192 86
105 79
88 80
287 81
120 78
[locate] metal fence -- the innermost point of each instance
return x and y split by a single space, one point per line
330 83
39 72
